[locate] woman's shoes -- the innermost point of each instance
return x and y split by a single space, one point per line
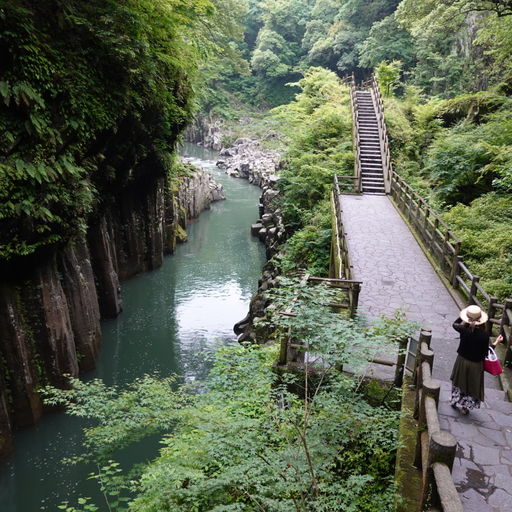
464 411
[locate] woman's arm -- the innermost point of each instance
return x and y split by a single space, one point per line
499 339
458 324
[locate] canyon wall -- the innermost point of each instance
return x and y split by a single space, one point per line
50 313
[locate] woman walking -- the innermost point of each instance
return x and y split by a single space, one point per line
468 371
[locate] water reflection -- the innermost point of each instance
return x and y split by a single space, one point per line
171 317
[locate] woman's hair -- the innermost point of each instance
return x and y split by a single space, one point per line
473 325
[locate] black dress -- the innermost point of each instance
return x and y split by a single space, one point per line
468 371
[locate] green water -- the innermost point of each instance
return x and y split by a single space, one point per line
171 317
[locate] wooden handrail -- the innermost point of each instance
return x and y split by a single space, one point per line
435 448
355 136
340 267
387 168
443 245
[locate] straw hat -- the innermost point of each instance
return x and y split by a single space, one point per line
474 315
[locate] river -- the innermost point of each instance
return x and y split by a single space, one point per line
171 317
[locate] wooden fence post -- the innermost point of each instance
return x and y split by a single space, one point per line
356 289
491 312
400 362
283 351
455 270
441 450
425 336
506 331
472 290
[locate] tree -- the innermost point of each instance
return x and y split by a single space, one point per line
387 41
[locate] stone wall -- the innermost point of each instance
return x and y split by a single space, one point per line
50 317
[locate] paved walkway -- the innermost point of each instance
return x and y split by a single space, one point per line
482 470
396 274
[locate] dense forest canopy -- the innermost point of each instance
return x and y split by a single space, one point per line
445 69
94 96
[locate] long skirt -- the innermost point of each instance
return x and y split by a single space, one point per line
467 383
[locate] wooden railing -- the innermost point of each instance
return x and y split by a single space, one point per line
340 267
500 312
435 448
356 179
383 135
443 245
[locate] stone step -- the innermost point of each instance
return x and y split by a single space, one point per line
374 191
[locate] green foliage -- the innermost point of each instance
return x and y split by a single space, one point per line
496 39
319 128
388 76
484 229
309 247
386 41
90 94
149 405
319 132
246 442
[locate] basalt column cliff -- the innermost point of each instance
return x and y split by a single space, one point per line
91 190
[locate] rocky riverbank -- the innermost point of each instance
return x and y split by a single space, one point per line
247 160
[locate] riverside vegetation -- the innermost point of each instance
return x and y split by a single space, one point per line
244 441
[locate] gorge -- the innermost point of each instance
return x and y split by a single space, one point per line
171 317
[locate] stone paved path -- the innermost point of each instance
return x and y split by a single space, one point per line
482 470
396 274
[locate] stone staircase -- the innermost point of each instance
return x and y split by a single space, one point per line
372 180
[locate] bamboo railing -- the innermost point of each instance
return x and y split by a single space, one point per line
435 448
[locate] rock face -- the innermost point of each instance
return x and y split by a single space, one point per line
246 160
50 316
205 131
